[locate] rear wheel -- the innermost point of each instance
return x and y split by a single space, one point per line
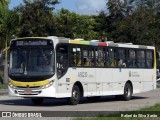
37 101
127 92
74 99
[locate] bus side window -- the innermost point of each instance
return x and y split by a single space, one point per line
62 60
111 58
140 59
107 60
100 57
75 56
91 56
78 57
72 57
131 58
149 59
86 57
121 57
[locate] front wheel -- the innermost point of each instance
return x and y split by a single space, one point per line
127 92
74 99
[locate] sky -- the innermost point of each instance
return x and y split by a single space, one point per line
86 7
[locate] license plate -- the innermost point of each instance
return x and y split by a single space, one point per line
28 92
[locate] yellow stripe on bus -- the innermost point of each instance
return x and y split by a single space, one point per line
73 77
29 84
155 59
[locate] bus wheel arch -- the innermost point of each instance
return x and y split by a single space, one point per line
80 87
128 91
76 94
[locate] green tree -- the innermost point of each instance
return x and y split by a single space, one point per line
143 21
72 25
4 2
3 15
115 15
85 27
37 18
133 21
7 29
101 25
65 22
119 11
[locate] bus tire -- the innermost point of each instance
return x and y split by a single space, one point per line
75 98
37 101
127 92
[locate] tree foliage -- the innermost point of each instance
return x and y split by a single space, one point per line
136 21
8 23
72 25
36 17
133 21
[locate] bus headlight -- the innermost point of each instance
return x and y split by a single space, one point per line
48 85
12 86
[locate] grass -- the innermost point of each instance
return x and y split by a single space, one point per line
148 113
3 86
158 85
156 107
116 118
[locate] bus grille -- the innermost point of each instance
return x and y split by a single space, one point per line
29 92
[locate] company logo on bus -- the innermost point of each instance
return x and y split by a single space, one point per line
133 74
82 74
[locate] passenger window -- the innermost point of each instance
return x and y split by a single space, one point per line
149 59
88 56
121 58
75 56
100 57
131 58
106 57
140 59
112 58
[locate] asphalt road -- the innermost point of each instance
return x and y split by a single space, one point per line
108 103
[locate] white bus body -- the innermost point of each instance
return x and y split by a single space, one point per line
91 80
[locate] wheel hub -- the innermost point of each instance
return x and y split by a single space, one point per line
75 94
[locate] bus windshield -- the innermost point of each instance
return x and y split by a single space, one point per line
37 61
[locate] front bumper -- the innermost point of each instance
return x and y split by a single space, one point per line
32 92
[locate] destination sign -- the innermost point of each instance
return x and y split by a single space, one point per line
29 42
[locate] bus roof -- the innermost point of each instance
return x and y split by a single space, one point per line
92 43
107 43
30 38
